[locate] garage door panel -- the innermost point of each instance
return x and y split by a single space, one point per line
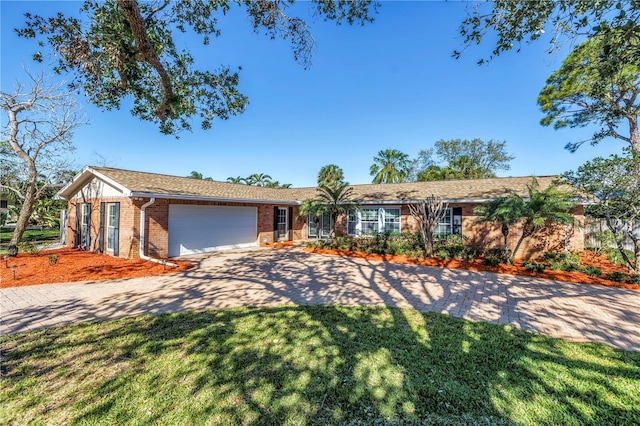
200 229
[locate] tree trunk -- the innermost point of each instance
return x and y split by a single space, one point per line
634 135
23 218
527 231
505 233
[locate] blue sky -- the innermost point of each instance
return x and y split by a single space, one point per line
389 84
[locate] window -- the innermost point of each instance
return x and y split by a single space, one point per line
391 220
282 223
443 228
4 204
450 224
352 222
371 220
86 226
111 226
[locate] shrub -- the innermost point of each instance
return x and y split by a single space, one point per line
499 253
415 254
28 247
53 259
492 260
616 276
533 266
442 253
633 279
592 271
615 257
562 261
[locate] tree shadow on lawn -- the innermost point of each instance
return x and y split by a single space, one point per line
316 365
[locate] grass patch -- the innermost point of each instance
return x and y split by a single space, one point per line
312 365
30 235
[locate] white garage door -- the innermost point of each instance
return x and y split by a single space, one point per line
200 229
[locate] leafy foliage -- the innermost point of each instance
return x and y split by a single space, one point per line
118 49
461 159
335 200
330 175
615 182
588 89
390 166
510 23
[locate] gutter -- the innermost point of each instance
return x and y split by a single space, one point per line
142 236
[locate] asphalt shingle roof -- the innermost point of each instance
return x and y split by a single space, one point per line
461 190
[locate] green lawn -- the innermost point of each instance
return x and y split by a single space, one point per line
312 365
30 234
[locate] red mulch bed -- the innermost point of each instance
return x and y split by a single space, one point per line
588 258
76 265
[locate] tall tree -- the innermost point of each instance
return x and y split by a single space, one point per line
462 159
390 166
433 173
585 90
475 158
330 175
126 48
237 179
41 118
197 175
258 179
615 182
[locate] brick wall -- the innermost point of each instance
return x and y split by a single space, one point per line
128 241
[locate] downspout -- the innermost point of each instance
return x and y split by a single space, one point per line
142 236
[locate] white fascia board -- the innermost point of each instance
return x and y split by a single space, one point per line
79 180
125 191
205 198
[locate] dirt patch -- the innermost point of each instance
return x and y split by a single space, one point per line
587 258
76 265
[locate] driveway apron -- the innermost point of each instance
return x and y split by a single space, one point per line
268 277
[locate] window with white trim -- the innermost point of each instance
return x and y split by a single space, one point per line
391 220
111 226
282 222
443 228
371 220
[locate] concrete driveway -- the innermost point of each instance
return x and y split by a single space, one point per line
267 277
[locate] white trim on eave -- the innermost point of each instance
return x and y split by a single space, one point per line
80 180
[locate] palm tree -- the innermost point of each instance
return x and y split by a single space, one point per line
335 200
390 166
258 179
237 179
551 205
330 175
537 209
503 211
198 175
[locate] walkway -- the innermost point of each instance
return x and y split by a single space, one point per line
267 277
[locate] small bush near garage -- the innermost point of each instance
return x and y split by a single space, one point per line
563 261
616 276
534 267
592 271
